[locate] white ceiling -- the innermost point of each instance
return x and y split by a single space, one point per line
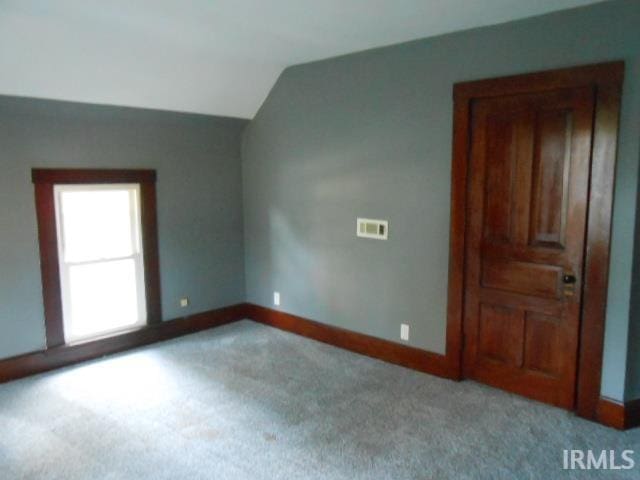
209 56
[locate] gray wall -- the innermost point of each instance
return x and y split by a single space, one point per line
369 134
197 159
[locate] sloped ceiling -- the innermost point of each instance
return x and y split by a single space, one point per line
209 56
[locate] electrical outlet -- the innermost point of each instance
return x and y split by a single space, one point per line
276 298
184 302
404 332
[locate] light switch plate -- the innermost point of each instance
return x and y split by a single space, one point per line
276 298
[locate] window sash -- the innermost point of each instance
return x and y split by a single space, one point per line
137 256
135 227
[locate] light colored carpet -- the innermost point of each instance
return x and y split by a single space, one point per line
247 401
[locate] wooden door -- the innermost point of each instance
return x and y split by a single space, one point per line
526 209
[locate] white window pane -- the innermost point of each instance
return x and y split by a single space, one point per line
97 225
103 297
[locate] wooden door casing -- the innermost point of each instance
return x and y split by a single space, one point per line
606 80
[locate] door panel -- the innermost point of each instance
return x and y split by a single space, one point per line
521 277
500 180
526 210
550 179
500 330
543 344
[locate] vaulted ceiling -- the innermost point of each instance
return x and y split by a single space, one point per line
209 56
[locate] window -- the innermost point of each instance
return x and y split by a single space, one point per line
99 254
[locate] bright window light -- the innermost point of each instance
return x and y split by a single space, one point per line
101 261
97 224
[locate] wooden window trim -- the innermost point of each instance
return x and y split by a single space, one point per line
606 80
44 181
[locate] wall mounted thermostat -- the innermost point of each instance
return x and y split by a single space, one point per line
368 228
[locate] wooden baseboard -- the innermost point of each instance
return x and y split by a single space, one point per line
42 361
611 413
385 350
617 414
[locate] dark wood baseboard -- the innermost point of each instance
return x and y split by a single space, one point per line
611 413
619 415
385 350
57 357
42 361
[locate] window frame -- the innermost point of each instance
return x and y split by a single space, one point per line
45 181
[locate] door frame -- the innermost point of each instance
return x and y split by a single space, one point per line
606 80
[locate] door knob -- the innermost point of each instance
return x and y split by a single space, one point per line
568 279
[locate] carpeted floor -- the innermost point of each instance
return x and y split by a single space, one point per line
246 401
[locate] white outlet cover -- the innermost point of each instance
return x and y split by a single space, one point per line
184 302
404 332
276 298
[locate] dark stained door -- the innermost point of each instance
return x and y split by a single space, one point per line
527 208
